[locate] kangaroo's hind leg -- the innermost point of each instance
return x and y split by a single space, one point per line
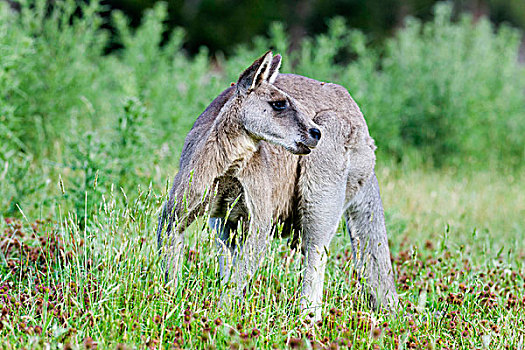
366 225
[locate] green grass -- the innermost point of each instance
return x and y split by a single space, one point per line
456 248
89 139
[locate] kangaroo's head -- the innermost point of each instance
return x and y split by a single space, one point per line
268 113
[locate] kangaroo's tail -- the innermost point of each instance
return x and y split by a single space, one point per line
162 219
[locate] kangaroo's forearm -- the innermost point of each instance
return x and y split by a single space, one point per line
188 197
194 184
224 147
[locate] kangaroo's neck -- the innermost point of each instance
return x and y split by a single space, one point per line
228 147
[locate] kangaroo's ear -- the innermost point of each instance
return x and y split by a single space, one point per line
254 75
274 68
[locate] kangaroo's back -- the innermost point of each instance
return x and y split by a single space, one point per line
316 96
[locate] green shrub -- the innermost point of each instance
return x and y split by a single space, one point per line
175 88
453 92
57 75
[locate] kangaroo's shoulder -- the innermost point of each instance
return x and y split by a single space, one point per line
210 113
203 123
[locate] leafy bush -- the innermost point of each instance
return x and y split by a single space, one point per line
57 72
454 92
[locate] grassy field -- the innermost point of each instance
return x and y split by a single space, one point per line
88 139
457 246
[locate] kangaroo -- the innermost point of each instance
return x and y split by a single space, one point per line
281 148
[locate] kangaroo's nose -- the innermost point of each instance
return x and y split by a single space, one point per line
315 133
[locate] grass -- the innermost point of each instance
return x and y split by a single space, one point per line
482 209
456 249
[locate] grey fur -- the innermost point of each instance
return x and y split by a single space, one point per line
276 169
365 221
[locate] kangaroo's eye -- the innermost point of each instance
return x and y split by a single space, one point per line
278 105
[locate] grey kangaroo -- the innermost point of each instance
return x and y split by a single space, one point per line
281 148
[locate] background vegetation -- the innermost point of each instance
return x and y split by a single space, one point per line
216 23
90 137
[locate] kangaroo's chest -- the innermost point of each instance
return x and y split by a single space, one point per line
228 199
272 174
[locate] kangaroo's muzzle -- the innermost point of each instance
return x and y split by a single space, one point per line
312 138
308 142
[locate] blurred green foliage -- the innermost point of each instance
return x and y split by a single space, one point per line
221 25
443 93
